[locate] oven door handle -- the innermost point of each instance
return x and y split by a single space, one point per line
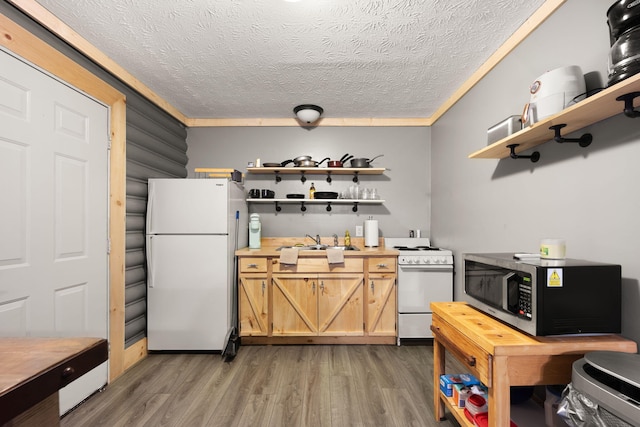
426 267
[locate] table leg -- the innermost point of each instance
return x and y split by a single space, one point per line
500 394
44 413
438 369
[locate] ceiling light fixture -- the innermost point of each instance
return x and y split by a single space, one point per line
308 113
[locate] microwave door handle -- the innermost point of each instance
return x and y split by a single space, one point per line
505 291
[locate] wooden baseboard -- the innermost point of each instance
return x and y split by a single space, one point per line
135 353
389 340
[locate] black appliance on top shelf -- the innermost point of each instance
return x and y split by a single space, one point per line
623 18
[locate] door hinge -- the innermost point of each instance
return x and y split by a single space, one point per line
108 246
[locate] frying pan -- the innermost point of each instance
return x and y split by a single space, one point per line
363 162
277 165
310 163
325 195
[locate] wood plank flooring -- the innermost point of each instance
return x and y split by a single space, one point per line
314 385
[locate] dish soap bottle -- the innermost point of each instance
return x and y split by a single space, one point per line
347 238
312 191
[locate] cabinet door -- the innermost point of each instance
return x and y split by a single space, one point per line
340 304
253 307
295 305
381 306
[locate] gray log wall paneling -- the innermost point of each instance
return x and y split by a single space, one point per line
156 147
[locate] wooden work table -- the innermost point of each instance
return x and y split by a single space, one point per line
32 370
501 356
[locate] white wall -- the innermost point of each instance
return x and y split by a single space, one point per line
588 196
405 186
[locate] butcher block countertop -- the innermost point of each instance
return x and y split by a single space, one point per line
32 369
269 246
499 339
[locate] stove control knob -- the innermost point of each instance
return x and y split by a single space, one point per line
441 260
426 260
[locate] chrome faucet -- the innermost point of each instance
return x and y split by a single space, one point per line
316 239
335 240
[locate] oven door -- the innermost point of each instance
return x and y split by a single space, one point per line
418 286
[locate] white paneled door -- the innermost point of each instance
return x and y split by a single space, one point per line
53 213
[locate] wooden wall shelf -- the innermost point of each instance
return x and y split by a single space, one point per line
319 171
597 107
303 172
328 202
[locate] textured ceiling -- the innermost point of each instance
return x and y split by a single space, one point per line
260 58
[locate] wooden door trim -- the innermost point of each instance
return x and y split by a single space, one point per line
21 42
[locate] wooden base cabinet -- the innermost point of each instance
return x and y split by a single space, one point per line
314 303
382 305
381 292
322 304
253 296
253 305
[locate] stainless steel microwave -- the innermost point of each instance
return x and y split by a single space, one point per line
545 297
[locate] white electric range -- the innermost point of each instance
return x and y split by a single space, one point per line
425 275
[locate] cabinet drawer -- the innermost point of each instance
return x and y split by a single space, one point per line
319 265
253 265
472 356
382 265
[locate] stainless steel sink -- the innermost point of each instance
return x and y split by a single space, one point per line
344 248
319 248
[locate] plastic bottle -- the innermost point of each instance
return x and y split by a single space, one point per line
312 191
347 238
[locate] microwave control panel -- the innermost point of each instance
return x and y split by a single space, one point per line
524 298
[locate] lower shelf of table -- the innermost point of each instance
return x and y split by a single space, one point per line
458 413
527 414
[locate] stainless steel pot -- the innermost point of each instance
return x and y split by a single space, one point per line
363 162
339 163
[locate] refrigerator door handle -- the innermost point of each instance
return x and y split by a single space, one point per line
149 263
150 200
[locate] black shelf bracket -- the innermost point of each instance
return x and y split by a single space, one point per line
328 206
583 141
278 177
303 178
355 207
278 207
329 177
535 156
628 110
303 208
355 177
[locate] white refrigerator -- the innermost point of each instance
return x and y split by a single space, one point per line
190 241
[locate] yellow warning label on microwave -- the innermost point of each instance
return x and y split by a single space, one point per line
554 278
